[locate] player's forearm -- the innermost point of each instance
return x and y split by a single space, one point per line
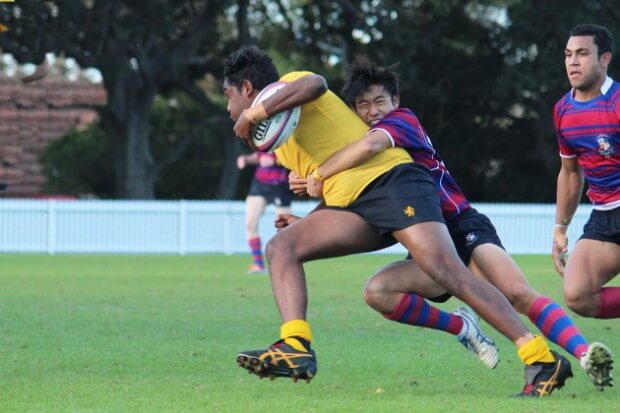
296 93
354 154
569 189
251 159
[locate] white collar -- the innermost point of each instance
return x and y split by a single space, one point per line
604 87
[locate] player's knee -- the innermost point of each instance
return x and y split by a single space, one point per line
520 296
276 246
376 295
284 246
251 230
581 303
584 306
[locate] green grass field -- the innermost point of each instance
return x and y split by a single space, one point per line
160 333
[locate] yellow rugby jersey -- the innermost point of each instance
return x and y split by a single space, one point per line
326 125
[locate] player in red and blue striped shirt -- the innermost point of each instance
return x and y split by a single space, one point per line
587 124
269 186
398 291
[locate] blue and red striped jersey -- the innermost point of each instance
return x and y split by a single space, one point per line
405 131
270 175
590 131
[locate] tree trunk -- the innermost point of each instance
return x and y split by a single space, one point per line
229 181
137 180
127 123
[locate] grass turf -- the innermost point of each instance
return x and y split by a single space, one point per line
160 333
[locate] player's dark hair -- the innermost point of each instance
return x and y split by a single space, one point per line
602 37
363 73
250 63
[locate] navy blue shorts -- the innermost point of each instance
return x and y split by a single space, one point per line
470 229
404 196
279 195
603 226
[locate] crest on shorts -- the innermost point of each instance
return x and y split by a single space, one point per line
470 238
604 147
409 211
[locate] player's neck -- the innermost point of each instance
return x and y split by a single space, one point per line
594 91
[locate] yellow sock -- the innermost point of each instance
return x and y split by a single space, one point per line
296 328
535 350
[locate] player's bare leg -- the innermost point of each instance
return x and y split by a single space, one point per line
431 248
321 234
398 291
254 208
494 264
590 266
383 290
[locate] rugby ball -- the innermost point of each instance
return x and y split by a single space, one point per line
273 132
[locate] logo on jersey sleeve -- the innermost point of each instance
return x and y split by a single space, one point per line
409 211
604 147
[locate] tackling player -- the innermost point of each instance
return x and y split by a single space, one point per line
373 92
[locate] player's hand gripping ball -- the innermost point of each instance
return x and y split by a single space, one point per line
273 132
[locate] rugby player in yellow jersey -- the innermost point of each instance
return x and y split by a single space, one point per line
387 194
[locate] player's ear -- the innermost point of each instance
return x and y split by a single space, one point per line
605 59
396 100
247 88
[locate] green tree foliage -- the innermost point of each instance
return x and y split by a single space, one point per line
141 47
195 172
78 164
482 76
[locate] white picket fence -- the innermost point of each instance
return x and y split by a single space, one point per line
200 227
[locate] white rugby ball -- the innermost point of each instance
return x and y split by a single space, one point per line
273 132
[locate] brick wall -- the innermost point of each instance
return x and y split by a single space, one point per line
32 116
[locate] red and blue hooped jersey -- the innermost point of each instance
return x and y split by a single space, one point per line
590 131
405 131
270 175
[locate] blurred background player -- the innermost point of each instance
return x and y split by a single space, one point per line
587 124
373 92
269 186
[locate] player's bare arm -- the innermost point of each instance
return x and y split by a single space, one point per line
284 220
296 93
346 158
569 189
244 160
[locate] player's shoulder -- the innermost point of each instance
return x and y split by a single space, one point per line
294 75
563 103
400 115
614 90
